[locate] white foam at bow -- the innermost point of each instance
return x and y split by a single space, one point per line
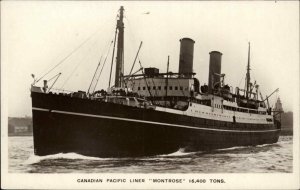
35 159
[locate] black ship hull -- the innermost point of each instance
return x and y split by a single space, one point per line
64 124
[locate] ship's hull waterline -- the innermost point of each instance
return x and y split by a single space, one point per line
95 128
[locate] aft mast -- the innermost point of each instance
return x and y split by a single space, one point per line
248 73
120 51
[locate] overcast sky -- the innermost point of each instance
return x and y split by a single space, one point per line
36 35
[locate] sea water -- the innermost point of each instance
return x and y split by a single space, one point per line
269 158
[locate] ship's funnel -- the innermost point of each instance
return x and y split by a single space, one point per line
186 57
214 69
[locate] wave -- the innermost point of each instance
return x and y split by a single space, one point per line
253 146
74 156
71 156
233 148
266 145
180 152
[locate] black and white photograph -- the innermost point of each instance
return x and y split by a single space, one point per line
150 95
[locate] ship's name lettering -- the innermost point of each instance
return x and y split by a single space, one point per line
167 180
89 180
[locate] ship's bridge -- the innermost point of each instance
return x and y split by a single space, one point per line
155 84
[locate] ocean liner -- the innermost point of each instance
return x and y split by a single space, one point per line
152 113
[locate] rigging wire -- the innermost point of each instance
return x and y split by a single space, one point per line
94 44
78 47
73 71
95 74
274 102
130 78
132 39
240 81
112 58
58 75
103 66
71 53
109 44
145 79
131 36
137 54
78 64
53 77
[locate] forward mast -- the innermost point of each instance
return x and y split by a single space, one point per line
120 50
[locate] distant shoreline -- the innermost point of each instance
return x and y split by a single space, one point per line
21 135
286 131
